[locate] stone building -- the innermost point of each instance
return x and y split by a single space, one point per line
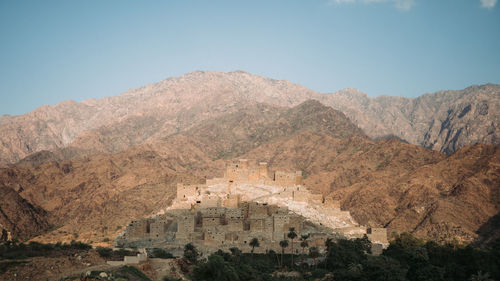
246 203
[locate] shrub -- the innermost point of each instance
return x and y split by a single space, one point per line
161 253
80 245
166 278
123 252
190 253
104 252
130 273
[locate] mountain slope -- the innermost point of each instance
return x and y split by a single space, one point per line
173 104
19 217
88 196
444 121
234 134
401 186
382 183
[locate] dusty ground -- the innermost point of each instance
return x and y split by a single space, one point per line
55 268
77 265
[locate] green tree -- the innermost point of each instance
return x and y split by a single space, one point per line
329 245
314 254
283 245
190 253
304 242
292 235
235 252
254 243
216 268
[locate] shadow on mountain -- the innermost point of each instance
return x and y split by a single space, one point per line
489 232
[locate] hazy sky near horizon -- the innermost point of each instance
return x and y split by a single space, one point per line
52 51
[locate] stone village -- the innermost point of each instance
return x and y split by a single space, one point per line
246 203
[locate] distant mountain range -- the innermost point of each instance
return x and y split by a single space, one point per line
443 121
84 170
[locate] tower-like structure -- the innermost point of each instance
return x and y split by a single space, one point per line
263 170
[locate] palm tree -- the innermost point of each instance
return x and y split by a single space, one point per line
254 243
304 243
236 253
283 245
292 235
328 245
314 254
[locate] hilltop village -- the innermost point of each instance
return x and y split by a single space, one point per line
246 203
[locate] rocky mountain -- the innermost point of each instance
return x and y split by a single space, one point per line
444 121
150 112
382 182
396 185
19 217
88 196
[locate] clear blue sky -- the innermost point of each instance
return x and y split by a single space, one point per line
57 50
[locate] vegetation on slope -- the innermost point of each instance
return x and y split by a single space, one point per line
406 259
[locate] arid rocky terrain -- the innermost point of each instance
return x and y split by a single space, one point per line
443 121
82 171
91 196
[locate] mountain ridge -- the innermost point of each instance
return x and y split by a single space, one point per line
382 183
175 103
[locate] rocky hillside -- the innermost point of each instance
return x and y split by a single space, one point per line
400 186
153 111
234 134
18 216
444 121
88 196
383 183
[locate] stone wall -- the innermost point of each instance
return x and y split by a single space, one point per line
185 226
377 234
257 210
138 229
250 172
231 201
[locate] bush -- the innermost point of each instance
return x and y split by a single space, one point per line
104 252
79 245
191 253
166 278
130 273
319 273
161 253
215 269
123 252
